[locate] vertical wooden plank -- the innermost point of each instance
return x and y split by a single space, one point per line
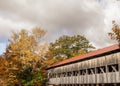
119 70
89 63
113 58
108 59
79 65
82 65
67 68
103 61
118 57
96 72
98 62
75 67
106 67
97 76
117 77
93 63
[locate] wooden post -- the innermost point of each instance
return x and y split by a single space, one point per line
87 84
97 84
102 84
114 84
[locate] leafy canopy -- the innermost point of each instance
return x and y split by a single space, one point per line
69 46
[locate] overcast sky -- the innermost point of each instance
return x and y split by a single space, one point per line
91 18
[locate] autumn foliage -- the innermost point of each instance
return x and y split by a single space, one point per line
22 62
25 59
115 34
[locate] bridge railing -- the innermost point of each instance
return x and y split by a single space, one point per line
113 77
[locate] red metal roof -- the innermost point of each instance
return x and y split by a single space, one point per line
87 55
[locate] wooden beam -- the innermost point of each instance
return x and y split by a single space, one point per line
91 71
115 70
102 70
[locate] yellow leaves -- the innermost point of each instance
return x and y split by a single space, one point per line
24 51
14 68
80 52
6 66
12 76
3 66
11 63
38 33
49 62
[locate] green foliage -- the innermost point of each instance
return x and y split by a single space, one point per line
26 75
69 46
30 78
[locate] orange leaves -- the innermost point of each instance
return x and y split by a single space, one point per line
115 34
3 66
4 71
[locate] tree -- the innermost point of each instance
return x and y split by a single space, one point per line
25 44
69 46
115 34
25 58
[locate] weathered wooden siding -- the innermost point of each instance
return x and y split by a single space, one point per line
87 79
105 69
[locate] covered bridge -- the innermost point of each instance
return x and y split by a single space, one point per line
97 68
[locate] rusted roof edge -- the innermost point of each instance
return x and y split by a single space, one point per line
87 55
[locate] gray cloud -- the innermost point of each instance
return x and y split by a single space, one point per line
91 18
